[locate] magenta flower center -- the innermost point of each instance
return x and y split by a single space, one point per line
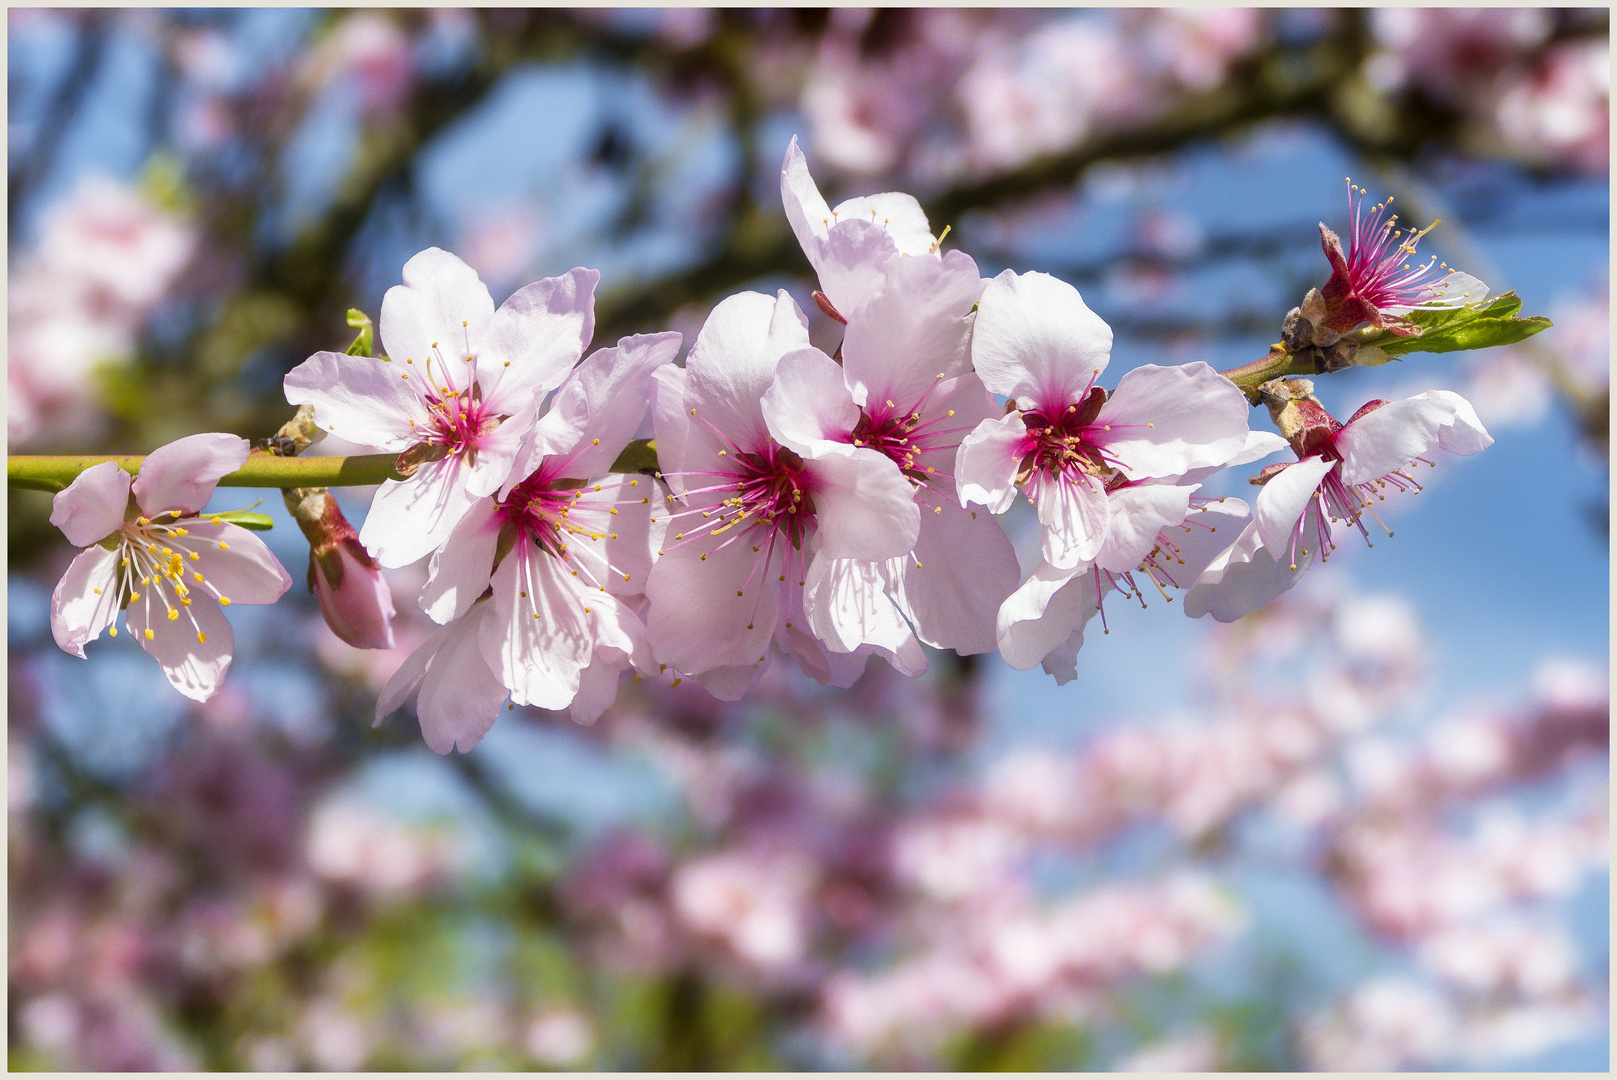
1067 442
1378 268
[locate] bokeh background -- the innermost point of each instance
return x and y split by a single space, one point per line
1365 828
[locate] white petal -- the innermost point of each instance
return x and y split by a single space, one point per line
734 358
194 668
962 569
1037 341
1044 612
987 461
459 571
848 605
85 601
1284 499
245 570
1139 513
917 327
183 474
92 507
599 408
864 508
1075 513
441 308
459 697
539 658
536 337
1168 420
808 407
696 621
898 214
616 549
363 399
1394 435
1246 576
410 518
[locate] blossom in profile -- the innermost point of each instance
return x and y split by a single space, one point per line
1342 471
1375 281
849 245
758 507
149 556
455 396
1064 440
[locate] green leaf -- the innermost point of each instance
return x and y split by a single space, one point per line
245 518
1458 329
364 343
640 456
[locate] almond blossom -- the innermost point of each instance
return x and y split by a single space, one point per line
906 367
1341 472
148 555
1064 439
456 395
566 560
759 507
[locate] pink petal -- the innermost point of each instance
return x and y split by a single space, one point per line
540 332
92 507
1247 575
1044 612
897 213
85 601
1037 341
683 443
246 570
1168 420
597 690
734 359
410 518
967 568
459 697
847 606
696 621
497 452
915 328
442 303
1075 513
1139 513
194 668
1284 499
986 463
598 409
363 399
864 508
1393 436
807 407
183 474
460 570
539 659
406 680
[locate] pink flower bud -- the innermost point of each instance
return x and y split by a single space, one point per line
355 601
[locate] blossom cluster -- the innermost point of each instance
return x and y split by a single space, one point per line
833 507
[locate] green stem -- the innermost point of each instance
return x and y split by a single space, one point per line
1279 362
43 472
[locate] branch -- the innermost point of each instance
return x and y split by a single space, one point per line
46 472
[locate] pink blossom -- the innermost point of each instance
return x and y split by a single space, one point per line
457 393
757 514
143 541
567 558
756 906
1343 469
1560 110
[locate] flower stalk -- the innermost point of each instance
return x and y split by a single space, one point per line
53 472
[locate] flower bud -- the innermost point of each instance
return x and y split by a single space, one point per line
353 597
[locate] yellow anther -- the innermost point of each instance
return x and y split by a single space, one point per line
202 637
173 614
223 546
199 578
133 596
149 634
597 442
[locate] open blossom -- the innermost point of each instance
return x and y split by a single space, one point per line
566 557
149 555
456 395
906 369
1341 472
759 507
